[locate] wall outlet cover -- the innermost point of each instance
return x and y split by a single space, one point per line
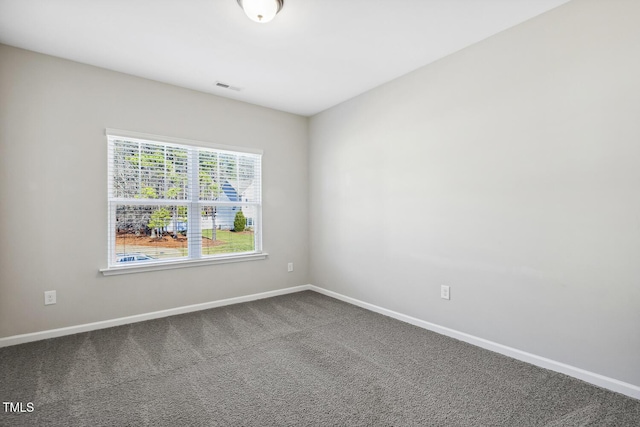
49 297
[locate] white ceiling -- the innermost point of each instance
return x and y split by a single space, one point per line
313 55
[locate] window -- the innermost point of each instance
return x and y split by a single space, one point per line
171 202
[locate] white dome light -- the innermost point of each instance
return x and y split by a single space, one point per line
261 10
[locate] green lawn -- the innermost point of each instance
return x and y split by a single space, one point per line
232 242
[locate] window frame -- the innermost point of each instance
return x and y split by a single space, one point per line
193 202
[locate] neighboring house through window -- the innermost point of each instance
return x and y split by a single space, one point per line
172 200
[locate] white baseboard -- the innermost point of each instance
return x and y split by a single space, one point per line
70 330
590 377
581 374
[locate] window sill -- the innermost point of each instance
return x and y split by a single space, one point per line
169 265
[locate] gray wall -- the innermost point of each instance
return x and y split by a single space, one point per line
512 169
53 191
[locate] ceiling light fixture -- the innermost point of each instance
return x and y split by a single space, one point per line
261 10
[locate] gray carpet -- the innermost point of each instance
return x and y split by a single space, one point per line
296 360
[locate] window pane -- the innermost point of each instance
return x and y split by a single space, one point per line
249 178
149 170
208 175
229 177
228 229
145 233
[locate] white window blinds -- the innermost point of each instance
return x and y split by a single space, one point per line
170 201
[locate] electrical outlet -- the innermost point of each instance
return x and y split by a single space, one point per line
49 297
444 292
290 267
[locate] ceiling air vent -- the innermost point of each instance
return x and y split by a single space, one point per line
227 86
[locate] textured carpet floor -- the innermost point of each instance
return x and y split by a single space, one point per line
296 360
